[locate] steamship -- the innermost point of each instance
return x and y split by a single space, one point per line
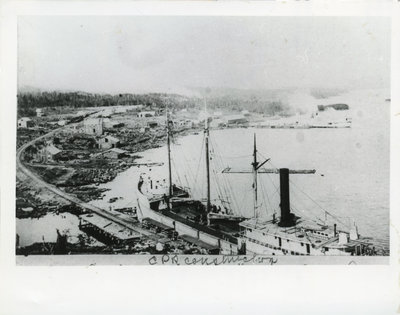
292 235
223 232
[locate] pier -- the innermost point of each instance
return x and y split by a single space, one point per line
106 231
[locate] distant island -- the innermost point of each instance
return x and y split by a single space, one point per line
334 106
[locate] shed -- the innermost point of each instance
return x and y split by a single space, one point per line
235 119
152 124
146 114
49 153
109 123
25 122
39 112
108 142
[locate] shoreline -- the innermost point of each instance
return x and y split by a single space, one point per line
30 195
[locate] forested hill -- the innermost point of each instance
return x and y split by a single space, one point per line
267 102
28 102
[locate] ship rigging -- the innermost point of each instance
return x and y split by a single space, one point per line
262 233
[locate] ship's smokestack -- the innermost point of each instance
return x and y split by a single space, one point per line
287 218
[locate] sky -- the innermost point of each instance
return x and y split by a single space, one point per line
133 54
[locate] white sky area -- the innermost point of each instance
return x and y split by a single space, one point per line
168 54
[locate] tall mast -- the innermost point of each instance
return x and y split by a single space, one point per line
169 156
207 133
284 179
255 168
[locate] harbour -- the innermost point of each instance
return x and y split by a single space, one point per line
122 192
288 169
345 163
214 157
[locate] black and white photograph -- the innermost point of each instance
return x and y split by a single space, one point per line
199 157
238 139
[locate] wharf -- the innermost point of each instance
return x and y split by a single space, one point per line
301 126
212 249
107 231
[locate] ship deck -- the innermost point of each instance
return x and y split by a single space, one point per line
307 231
190 214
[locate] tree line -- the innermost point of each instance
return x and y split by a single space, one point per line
28 102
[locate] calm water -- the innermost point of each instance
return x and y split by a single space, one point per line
352 179
45 228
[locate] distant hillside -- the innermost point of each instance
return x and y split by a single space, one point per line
28 102
281 102
263 102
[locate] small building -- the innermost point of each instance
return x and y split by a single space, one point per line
179 123
39 112
93 126
62 122
108 142
183 123
115 153
235 120
25 122
48 154
152 124
245 113
189 123
146 114
109 124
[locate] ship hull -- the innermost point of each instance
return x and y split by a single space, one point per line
145 211
263 248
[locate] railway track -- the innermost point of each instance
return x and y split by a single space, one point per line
22 169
